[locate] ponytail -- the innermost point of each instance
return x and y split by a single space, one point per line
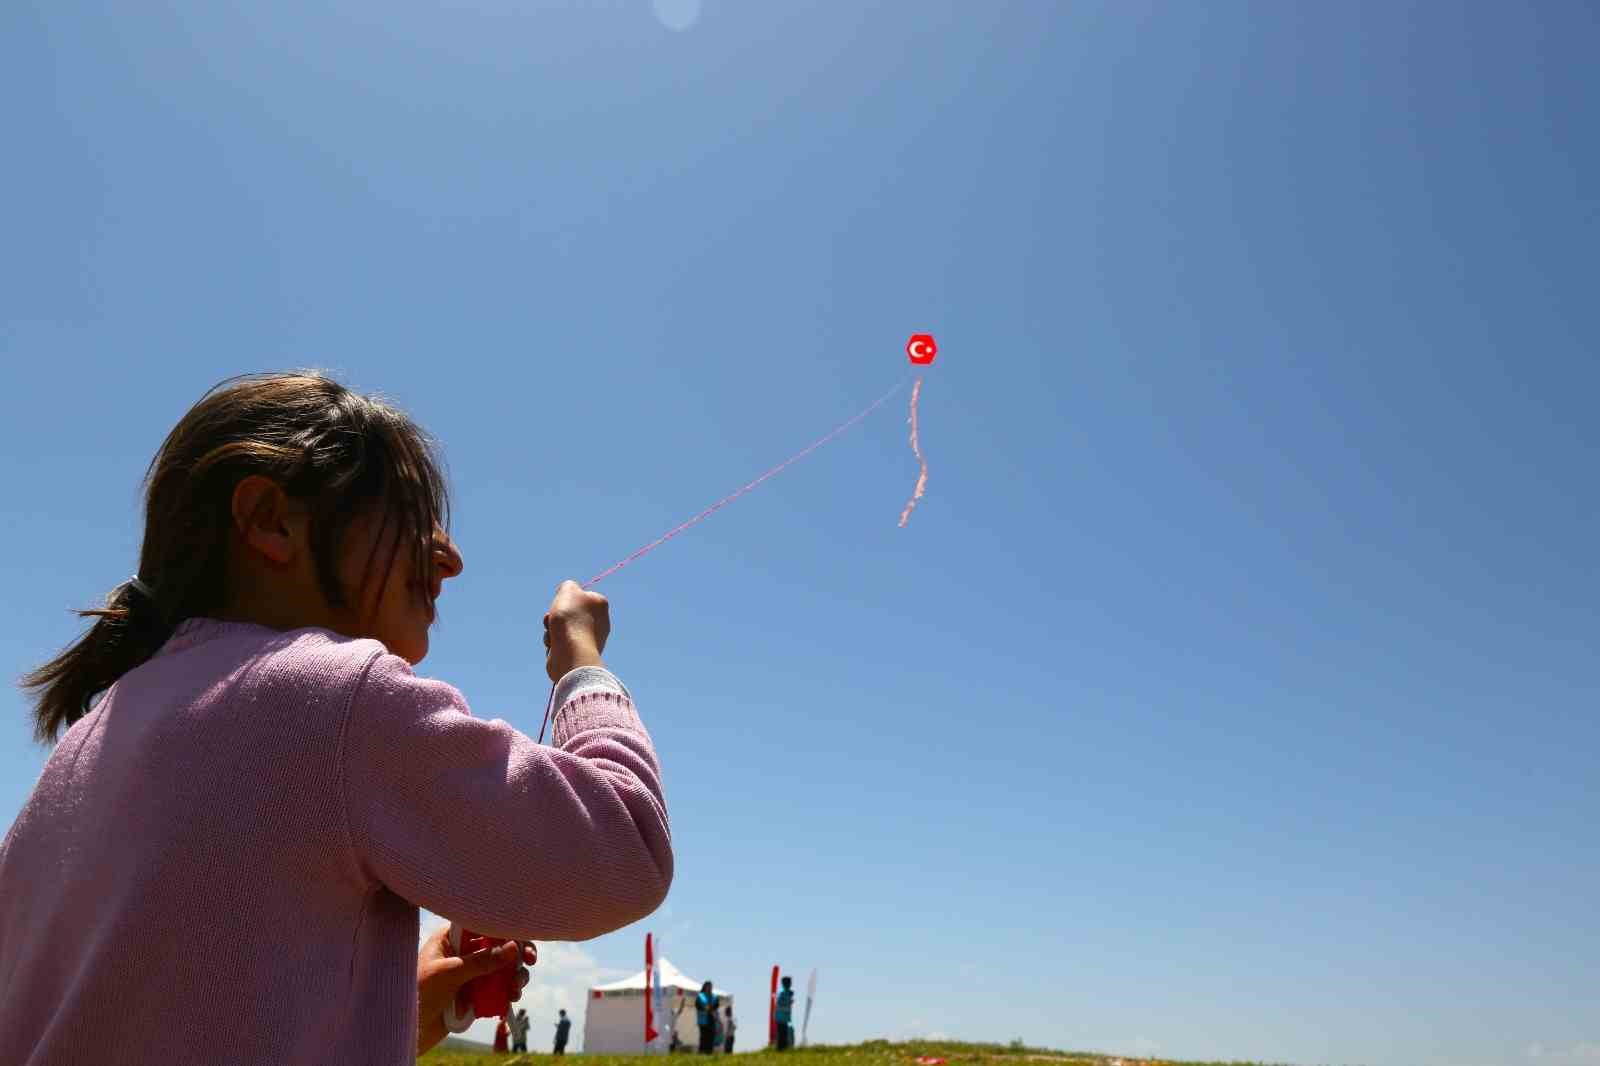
127 631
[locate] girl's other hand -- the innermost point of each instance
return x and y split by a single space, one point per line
575 629
441 975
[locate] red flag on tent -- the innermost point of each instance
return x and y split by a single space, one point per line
772 1011
649 1014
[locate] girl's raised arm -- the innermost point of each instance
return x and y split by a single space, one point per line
474 821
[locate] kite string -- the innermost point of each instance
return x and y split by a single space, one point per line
727 500
673 532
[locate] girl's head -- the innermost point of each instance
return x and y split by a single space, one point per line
282 499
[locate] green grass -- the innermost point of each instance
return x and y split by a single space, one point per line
872 1053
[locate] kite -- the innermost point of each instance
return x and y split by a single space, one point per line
921 350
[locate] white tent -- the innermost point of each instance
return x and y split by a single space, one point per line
613 1023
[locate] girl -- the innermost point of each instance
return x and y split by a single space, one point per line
236 835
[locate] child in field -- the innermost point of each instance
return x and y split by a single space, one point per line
237 835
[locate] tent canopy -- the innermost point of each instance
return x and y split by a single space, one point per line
671 977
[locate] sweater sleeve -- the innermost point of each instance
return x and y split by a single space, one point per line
476 822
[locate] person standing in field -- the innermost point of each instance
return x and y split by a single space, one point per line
705 1005
240 735
501 1031
563 1028
728 1026
519 1030
784 1013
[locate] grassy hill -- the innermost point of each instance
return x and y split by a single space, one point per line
872 1053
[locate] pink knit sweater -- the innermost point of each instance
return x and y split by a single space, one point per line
223 861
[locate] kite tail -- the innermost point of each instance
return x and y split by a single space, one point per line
922 478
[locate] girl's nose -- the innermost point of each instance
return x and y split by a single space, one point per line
446 556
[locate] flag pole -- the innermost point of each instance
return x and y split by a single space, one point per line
772 1011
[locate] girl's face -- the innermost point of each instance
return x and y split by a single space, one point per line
393 606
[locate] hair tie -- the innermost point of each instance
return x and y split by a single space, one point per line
141 588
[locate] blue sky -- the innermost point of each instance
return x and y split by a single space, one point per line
1232 691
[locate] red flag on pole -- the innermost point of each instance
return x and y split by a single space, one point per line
772 1011
649 1012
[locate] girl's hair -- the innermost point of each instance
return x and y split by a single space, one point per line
339 452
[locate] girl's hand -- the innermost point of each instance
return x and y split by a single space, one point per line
575 629
440 976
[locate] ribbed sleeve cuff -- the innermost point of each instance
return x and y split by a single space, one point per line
591 697
585 678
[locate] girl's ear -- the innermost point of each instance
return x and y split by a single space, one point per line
265 519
